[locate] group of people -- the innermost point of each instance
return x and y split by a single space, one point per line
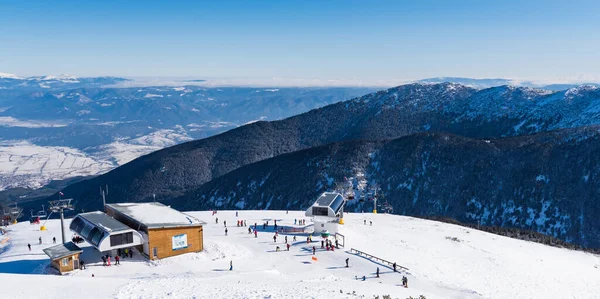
327 244
76 239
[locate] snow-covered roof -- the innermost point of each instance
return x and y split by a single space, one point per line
62 250
155 214
103 221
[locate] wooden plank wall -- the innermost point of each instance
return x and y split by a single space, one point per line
162 239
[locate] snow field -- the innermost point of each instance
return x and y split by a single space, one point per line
478 265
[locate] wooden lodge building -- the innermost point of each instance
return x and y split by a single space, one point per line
166 232
156 230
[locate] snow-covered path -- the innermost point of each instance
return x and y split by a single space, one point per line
474 265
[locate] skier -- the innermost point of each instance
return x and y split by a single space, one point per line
236 213
54 240
40 240
322 244
347 259
130 253
285 239
224 223
249 231
226 231
104 261
405 281
371 223
295 221
117 259
288 247
245 223
230 265
81 265
277 249
255 233
394 266
314 250
364 278
336 244
377 272
217 220
29 246
294 239
108 260
275 239
365 222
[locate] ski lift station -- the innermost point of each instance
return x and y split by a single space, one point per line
153 228
327 212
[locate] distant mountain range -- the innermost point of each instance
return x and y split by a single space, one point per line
57 127
218 171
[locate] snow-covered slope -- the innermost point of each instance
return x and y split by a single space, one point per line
445 261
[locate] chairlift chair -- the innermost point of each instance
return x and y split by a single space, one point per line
42 213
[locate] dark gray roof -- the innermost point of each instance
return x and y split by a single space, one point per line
326 199
62 250
102 220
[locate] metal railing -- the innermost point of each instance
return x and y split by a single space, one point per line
378 259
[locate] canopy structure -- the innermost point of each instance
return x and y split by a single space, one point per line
329 204
104 232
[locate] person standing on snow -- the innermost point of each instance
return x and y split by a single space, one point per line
226 231
294 239
322 244
130 253
314 250
225 223
236 213
249 231
347 259
275 239
371 223
255 233
54 240
377 272
217 220
40 240
405 281
29 246
285 239
117 259
230 265
394 266
288 247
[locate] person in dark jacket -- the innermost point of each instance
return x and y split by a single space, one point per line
394 266
118 259
29 246
377 272
347 259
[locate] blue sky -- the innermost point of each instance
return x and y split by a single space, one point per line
357 41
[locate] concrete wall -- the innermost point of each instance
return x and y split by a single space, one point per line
162 240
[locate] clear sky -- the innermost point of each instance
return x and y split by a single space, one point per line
359 41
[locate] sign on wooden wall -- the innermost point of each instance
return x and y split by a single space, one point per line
180 241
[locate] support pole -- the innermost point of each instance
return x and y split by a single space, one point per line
62 225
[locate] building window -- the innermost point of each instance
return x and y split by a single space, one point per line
65 261
120 239
320 211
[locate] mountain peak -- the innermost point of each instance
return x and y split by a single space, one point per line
9 76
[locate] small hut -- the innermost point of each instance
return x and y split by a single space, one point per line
64 257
